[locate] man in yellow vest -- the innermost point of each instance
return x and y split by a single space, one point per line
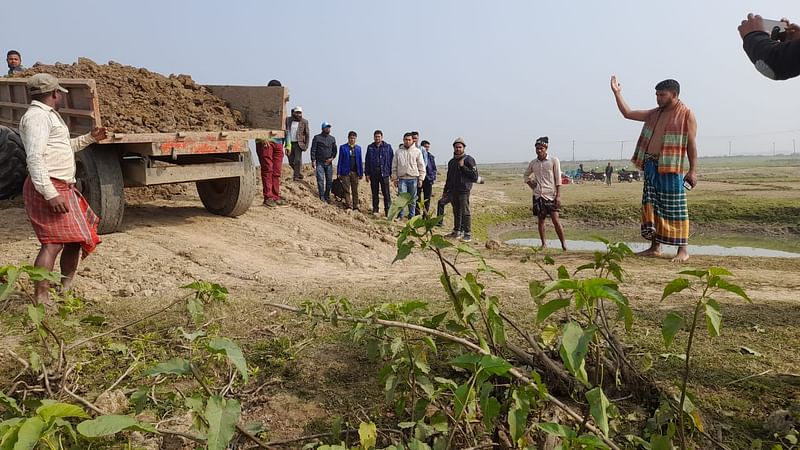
666 141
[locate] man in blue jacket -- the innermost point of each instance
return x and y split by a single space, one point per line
350 169
430 174
378 168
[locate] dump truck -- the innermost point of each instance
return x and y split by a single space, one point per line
220 163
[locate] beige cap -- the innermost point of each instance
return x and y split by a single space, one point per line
42 83
459 140
297 109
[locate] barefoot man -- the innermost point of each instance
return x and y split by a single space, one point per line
543 175
666 141
61 217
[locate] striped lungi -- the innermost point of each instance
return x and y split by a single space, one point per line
79 225
665 217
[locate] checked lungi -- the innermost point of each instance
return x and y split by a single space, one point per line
665 217
79 225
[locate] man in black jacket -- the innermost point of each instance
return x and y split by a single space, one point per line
777 60
323 151
461 173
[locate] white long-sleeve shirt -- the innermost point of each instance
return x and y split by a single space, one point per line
408 163
547 175
49 149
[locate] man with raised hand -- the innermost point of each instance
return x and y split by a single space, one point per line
61 218
666 141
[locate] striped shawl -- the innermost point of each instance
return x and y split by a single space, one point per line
674 143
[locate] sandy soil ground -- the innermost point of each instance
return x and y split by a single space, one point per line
311 250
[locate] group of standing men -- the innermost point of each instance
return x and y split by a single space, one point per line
410 169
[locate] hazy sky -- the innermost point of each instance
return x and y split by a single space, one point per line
497 73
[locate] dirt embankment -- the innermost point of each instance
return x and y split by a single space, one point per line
136 100
167 242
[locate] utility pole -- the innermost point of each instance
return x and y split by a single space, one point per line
729 148
621 146
573 150
794 147
773 149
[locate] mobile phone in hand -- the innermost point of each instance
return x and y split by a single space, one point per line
776 29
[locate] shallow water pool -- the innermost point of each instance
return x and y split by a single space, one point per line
709 250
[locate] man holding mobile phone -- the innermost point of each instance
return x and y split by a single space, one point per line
666 140
775 55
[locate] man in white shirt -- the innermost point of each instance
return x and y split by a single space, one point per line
408 171
299 138
61 217
543 175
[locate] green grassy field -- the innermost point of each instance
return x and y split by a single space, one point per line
738 201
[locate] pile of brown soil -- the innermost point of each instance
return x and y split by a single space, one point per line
136 100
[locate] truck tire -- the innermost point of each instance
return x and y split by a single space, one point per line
230 196
99 176
13 167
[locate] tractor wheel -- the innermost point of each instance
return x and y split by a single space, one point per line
230 196
13 167
99 175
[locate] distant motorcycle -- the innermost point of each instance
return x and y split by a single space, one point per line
628 175
593 176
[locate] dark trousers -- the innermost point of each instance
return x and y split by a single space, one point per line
427 192
377 182
443 201
462 219
350 185
296 161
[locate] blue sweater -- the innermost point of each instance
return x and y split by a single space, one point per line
379 160
430 168
343 167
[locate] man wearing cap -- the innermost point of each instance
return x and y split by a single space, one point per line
323 150
666 141
408 171
543 175
14 60
61 217
462 172
298 132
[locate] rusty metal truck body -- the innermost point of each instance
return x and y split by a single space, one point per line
219 162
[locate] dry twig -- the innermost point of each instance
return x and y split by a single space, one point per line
472 346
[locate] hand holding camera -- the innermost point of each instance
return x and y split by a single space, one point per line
778 30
